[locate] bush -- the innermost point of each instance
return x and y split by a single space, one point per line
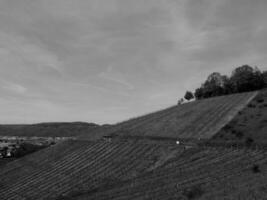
227 127
188 95
193 192
250 105
239 134
256 168
249 141
26 148
260 100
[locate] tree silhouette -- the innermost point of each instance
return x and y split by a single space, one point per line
243 79
246 79
188 95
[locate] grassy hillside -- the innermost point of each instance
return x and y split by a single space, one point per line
48 129
75 166
198 120
124 168
135 170
209 173
249 126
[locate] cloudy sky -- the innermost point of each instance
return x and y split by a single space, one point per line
105 61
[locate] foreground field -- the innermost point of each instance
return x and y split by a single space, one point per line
75 166
135 170
207 173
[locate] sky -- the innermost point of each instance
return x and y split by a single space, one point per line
106 61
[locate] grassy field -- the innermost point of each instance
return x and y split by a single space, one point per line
134 170
75 166
131 170
208 173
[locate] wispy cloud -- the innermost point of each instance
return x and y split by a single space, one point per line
100 88
116 77
13 87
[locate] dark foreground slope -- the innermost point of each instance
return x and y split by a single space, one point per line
135 170
249 127
48 129
198 120
208 173
72 167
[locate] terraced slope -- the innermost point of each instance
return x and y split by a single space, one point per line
75 166
209 173
198 120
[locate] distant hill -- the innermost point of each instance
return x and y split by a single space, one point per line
54 129
200 119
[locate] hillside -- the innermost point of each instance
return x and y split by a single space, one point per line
209 173
74 166
249 126
195 120
48 129
135 170
139 164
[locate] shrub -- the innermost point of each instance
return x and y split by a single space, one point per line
188 95
239 134
193 192
227 127
260 100
251 105
26 148
249 141
256 168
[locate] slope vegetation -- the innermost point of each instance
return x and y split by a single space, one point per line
249 127
196 120
135 170
208 173
74 166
